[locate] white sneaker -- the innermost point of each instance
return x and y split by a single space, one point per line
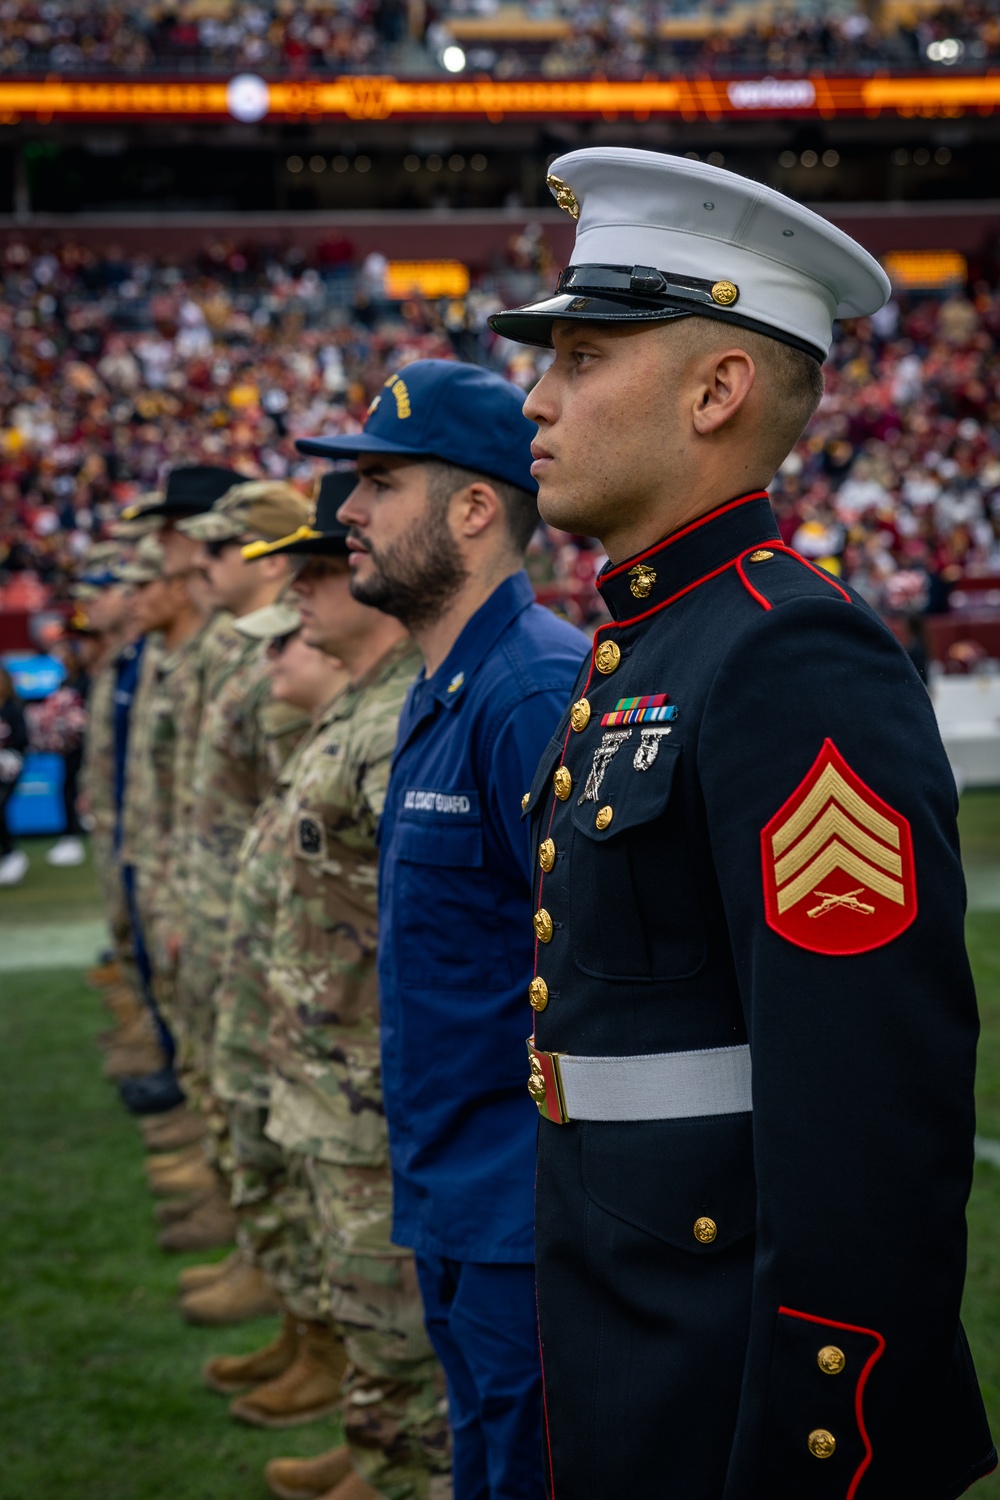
68 851
13 867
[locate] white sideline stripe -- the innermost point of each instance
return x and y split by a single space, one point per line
50 945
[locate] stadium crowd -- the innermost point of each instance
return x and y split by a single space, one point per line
358 36
112 368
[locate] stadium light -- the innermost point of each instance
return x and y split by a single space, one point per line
453 59
949 50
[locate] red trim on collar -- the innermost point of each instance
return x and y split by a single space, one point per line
675 536
859 1389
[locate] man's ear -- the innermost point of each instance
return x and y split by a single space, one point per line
475 508
722 391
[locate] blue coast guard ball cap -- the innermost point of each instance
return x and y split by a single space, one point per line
439 408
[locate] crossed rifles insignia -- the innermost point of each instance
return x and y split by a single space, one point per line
837 863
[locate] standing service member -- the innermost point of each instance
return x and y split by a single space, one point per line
444 509
746 857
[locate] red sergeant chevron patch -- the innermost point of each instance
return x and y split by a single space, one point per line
838 863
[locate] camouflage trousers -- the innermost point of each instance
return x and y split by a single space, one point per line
321 1234
115 905
395 1404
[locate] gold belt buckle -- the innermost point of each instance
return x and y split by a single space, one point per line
545 1084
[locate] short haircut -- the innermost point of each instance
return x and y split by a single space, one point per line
792 379
520 507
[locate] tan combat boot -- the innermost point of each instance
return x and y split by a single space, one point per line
308 1389
243 1293
127 1033
308 1478
169 1161
123 1003
173 1210
231 1373
171 1131
210 1225
351 1488
188 1177
103 976
133 1061
193 1278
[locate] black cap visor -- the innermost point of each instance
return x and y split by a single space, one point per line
632 294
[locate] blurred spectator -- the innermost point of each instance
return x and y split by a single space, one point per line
13 744
362 36
113 368
57 725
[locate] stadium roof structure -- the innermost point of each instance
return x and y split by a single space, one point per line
251 100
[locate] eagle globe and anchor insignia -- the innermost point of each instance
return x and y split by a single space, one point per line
838 866
641 580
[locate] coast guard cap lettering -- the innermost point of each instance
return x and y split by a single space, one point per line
441 408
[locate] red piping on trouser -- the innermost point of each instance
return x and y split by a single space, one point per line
859 1389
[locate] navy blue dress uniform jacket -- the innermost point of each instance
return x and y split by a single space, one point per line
756 844
455 949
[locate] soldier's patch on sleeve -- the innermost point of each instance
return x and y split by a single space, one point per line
838 863
310 837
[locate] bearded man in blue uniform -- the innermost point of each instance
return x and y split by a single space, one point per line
755 1025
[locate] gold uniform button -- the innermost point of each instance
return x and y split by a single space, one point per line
538 993
543 925
761 555
579 715
725 293
608 656
604 817
546 854
562 783
822 1443
705 1231
831 1359
524 801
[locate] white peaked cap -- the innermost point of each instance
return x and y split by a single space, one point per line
753 257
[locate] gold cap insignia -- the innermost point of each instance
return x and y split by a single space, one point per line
642 582
564 196
725 293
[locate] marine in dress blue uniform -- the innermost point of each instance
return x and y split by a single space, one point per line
755 1025
455 948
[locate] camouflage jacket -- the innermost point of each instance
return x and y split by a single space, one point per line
98 774
211 648
244 738
138 845
240 1071
326 1096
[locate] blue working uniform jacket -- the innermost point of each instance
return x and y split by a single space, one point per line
455 948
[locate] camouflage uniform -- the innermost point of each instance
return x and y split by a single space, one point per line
273 1208
138 845
243 740
97 784
326 1103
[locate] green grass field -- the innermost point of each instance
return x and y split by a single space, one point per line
100 1390
100 1396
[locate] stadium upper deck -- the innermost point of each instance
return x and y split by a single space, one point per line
539 38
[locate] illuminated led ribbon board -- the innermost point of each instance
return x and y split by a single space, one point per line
382 98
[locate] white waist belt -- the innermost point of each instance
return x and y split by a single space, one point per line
662 1086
